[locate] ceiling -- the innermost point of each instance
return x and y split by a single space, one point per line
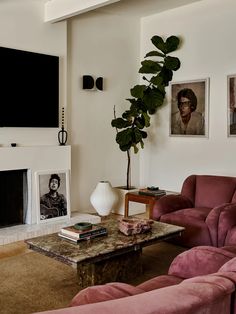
57 10
141 8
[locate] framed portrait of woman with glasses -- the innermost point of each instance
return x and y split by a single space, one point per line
189 108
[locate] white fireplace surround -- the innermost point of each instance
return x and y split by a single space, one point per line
34 159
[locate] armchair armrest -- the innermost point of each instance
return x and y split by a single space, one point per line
200 260
170 203
219 221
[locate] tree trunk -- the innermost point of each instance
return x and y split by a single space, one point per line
128 175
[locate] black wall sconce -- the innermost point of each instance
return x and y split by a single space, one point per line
90 83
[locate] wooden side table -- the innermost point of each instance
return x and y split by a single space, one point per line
138 198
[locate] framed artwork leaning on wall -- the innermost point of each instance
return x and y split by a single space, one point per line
53 200
231 104
189 108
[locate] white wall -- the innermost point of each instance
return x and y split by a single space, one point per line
22 27
208 50
108 45
104 45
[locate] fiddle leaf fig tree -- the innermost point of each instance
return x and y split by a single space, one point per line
146 98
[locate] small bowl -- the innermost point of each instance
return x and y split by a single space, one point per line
83 226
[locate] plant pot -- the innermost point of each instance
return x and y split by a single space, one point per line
103 198
119 206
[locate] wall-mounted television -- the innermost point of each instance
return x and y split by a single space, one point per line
29 89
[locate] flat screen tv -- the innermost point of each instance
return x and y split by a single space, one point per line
29 89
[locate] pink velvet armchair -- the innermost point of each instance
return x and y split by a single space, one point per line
206 208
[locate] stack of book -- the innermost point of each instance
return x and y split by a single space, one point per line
75 235
152 192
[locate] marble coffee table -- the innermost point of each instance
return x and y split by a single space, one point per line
115 257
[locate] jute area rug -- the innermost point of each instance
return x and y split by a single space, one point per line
32 282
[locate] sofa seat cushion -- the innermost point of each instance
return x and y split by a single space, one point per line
193 219
160 282
201 260
199 213
99 293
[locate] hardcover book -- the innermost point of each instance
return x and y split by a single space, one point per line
152 193
80 234
76 240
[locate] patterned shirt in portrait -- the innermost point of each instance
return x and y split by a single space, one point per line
58 203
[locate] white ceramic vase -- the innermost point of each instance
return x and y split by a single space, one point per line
103 198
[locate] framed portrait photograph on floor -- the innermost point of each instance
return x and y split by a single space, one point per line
52 195
231 104
189 108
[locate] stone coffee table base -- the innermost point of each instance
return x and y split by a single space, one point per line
122 268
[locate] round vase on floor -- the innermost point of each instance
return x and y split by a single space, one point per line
103 198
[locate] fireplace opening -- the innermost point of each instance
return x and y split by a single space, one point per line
14 196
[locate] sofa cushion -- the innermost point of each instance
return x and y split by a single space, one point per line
230 266
160 282
199 213
201 260
217 279
230 237
99 293
196 231
185 298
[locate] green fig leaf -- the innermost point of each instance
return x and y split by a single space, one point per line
159 43
172 63
154 53
172 44
166 75
149 66
137 91
120 123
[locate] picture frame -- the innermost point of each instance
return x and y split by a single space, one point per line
189 108
52 195
231 105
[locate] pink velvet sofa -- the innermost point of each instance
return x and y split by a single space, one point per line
200 280
206 208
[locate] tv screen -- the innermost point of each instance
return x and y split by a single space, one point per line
29 84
